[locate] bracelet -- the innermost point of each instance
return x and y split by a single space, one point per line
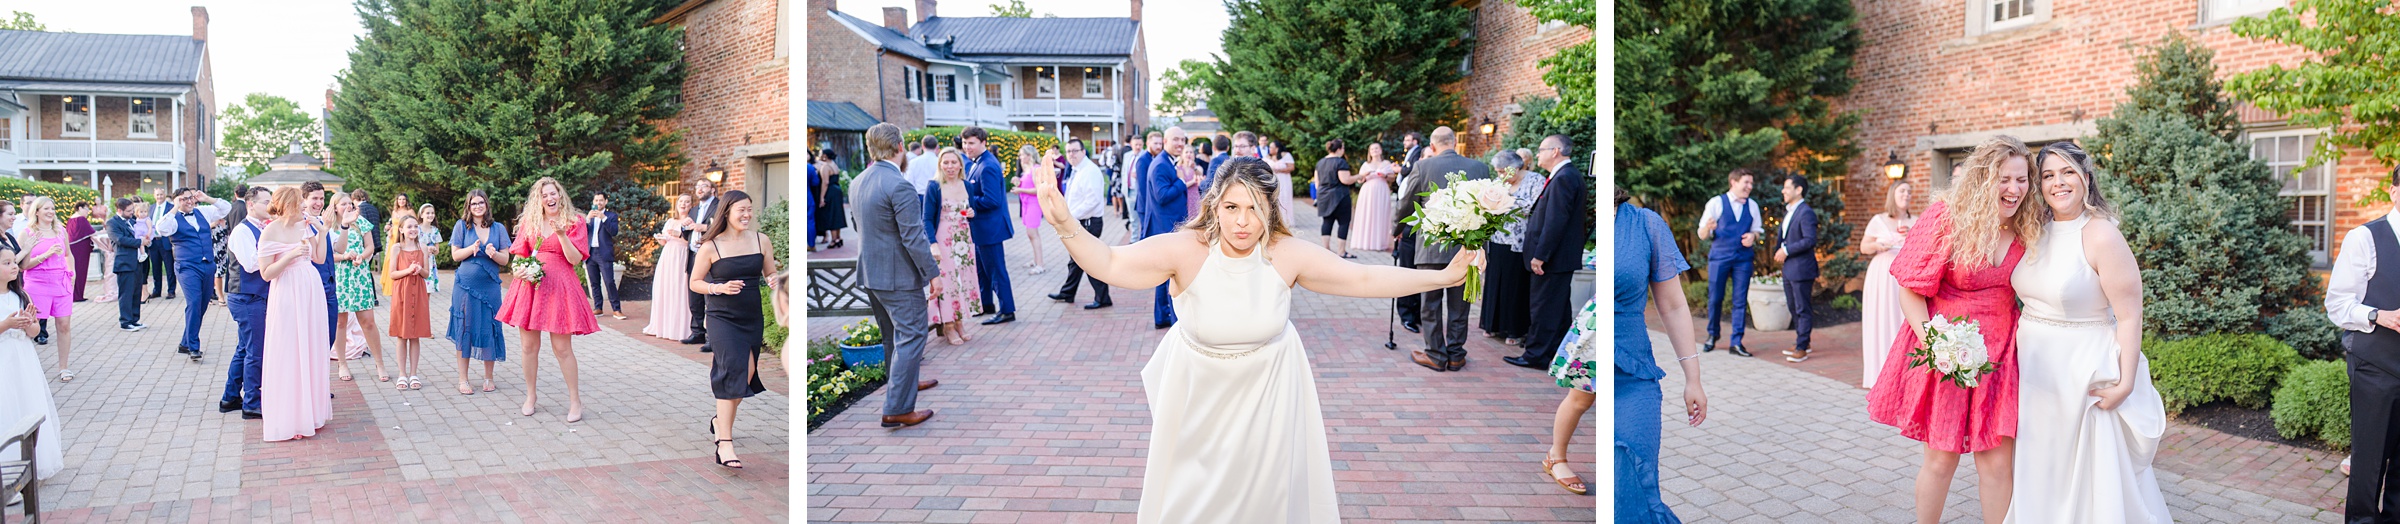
1681 359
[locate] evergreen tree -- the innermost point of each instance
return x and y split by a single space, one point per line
2217 253
265 126
1705 86
446 96
1309 71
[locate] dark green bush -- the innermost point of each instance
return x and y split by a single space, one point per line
2307 330
2241 368
2315 400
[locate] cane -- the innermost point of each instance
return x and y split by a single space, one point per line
1391 315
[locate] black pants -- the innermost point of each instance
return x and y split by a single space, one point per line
161 266
129 297
1075 274
2374 391
699 301
1446 336
1505 306
1551 313
604 283
1404 254
1796 295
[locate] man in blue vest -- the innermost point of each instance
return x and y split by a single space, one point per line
195 258
987 194
1731 225
248 303
1164 187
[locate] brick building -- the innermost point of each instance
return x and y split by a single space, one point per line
736 118
1072 77
120 114
1937 77
1504 69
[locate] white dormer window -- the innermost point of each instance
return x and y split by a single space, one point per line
1091 83
2215 11
143 122
75 116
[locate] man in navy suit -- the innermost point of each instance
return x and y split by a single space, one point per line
162 252
1152 147
987 194
1799 258
1554 237
1164 187
601 265
128 266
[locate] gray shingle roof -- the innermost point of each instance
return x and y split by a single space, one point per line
886 37
838 116
1031 36
85 57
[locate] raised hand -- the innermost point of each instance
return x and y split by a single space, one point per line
1054 204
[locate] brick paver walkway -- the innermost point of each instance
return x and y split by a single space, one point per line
145 442
1043 420
1785 445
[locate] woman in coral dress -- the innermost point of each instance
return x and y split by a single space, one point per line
670 299
954 294
1958 265
1371 223
1880 318
550 300
294 394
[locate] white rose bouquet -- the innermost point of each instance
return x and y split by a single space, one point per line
527 268
1954 349
1467 213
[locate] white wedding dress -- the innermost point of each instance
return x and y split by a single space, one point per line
2077 463
1236 434
25 392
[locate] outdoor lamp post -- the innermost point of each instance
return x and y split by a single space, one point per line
716 175
1893 168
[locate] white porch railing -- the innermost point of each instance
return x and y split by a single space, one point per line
1040 108
54 151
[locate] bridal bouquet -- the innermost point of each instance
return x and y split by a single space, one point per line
527 268
1954 349
1466 213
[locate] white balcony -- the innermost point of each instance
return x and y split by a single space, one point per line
964 114
1069 109
35 152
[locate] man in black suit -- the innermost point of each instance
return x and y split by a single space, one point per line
706 193
1404 247
1446 308
161 267
1554 237
374 215
1799 258
601 265
128 265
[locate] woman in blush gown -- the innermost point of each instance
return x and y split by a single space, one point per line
670 300
1280 162
1371 223
2089 419
1880 317
294 393
954 294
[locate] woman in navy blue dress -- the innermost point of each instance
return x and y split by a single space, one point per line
1647 266
481 248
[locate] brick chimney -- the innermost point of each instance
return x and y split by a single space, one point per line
896 18
924 9
1137 10
200 23
823 5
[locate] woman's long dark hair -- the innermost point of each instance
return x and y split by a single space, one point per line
482 221
723 218
17 285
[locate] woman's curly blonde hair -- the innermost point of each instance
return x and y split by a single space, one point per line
1979 234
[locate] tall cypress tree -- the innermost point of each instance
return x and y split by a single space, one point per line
1307 71
447 96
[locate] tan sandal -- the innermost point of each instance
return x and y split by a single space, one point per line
1573 483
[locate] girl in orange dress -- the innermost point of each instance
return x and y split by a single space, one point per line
412 321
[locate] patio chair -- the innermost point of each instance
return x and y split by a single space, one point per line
17 476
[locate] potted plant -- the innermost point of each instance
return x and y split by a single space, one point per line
861 344
1767 310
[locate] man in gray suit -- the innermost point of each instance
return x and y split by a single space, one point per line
1444 311
896 264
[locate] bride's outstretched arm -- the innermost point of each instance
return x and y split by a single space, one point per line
1323 272
1143 264
2121 280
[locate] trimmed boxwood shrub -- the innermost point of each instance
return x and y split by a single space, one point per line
2241 368
2307 330
2315 400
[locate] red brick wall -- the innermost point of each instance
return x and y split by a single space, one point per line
1509 46
200 157
842 68
1920 74
737 94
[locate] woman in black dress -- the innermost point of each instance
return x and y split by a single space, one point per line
832 216
1334 182
732 263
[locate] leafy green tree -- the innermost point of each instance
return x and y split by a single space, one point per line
1570 70
1311 70
262 127
1705 86
22 21
2350 83
2217 253
1186 87
447 96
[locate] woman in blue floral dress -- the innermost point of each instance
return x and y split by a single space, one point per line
1648 265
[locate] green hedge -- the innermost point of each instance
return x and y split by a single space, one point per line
2307 330
2315 400
15 189
2199 370
1003 144
1695 292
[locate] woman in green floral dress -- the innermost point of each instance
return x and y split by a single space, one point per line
354 283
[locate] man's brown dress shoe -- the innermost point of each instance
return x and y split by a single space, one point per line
1458 365
919 417
1427 361
927 384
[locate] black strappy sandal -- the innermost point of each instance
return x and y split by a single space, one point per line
720 456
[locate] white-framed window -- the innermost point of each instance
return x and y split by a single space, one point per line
75 116
1045 82
908 82
1991 16
2216 11
945 87
1092 86
2310 190
142 118
991 95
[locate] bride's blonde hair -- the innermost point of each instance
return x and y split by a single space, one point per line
1979 235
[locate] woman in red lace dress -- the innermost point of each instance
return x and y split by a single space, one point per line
551 231
1977 233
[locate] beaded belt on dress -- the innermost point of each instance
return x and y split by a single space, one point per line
2068 324
1200 348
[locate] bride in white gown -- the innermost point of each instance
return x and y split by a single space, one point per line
24 391
2086 428
1236 432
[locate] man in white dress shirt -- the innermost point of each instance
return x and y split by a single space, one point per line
924 162
187 227
1087 198
2363 298
1732 225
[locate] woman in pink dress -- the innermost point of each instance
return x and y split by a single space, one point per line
50 273
954 294
1371 223
550 300
1958 265
1881 317
294 393
1029 207
670 299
